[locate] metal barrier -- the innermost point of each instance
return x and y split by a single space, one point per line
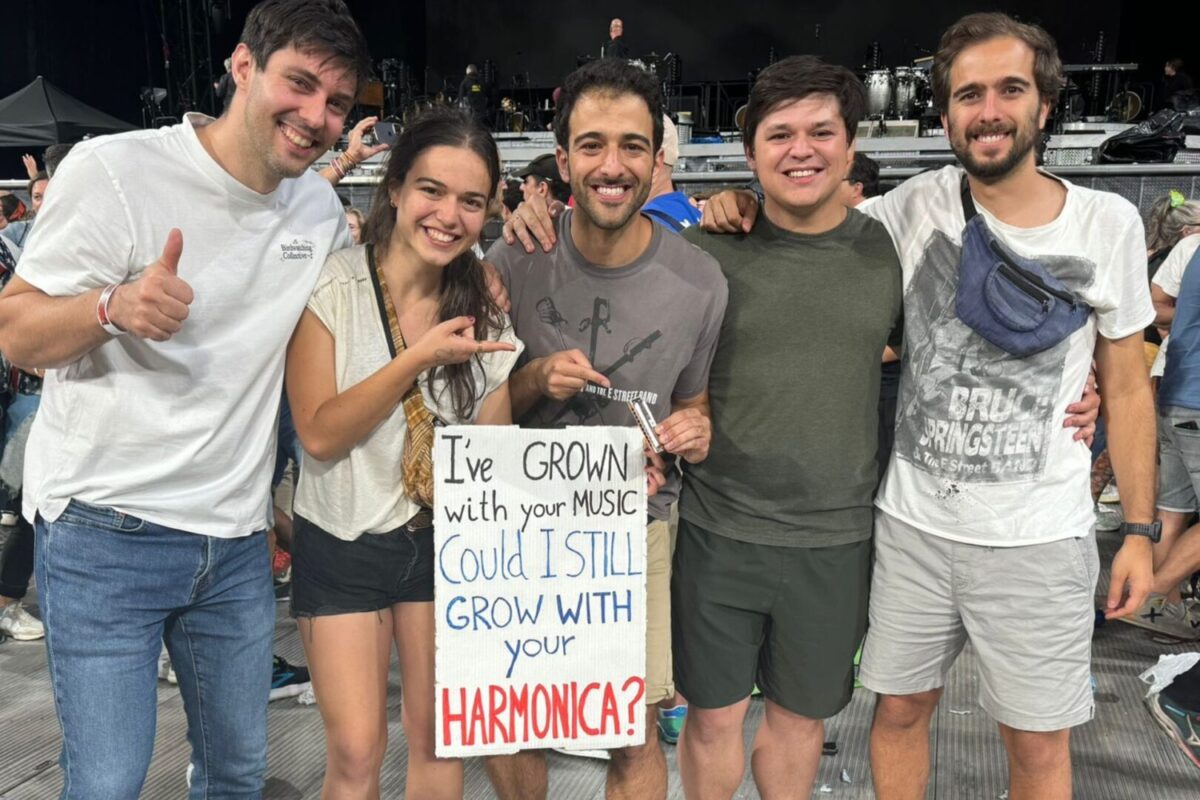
1141 184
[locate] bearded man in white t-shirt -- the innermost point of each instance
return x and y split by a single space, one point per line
983 532
983 529
168 272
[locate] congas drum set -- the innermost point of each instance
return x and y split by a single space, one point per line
900 93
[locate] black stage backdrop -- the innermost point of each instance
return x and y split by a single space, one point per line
102 52
719 39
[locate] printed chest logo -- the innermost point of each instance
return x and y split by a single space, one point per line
297 250
595 399
969 412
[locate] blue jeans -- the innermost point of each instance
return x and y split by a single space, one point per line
112 589
20 407
287 442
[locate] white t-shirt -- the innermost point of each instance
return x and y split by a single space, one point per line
981 454
1169 278
1170 275
867 202
180 433
362 491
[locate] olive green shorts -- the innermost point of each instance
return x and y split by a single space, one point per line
787 618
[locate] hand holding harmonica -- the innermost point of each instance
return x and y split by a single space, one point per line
687 433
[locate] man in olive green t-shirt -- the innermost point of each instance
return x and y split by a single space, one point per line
773 555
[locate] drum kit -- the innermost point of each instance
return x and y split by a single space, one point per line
900 93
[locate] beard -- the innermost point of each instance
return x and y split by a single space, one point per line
1024 137
604 217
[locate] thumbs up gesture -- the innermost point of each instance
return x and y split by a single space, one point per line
156 304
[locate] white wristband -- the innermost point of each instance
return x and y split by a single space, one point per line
102 315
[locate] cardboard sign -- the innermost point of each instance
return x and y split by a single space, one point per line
540 572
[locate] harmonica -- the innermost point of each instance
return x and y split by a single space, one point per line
645 420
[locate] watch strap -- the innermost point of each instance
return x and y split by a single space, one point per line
1152 531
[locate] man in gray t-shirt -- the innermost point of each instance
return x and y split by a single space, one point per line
650 327
617 309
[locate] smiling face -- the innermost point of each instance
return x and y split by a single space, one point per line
611 160
293 108
616 28
801 156
994 113
441 205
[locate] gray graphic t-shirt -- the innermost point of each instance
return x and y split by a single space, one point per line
650 326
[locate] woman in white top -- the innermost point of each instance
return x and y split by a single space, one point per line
363 552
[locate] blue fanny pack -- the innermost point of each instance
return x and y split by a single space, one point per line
1013 302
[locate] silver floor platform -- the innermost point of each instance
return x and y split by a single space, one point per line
1121 755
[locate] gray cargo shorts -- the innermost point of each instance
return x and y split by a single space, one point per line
1028 612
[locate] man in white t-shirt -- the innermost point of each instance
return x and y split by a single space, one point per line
983 529
169 270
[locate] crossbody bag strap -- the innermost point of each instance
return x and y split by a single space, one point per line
414 404
968 204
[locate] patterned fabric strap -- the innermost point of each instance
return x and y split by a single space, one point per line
417 459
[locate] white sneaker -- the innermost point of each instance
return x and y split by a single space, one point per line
1110 493
19 624
1177 620
1181 621
8 518
166 672
1147 613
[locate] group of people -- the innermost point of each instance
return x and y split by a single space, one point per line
180 275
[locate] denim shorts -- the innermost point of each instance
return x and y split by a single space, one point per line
373 572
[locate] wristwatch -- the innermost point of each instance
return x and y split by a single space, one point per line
1153 531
